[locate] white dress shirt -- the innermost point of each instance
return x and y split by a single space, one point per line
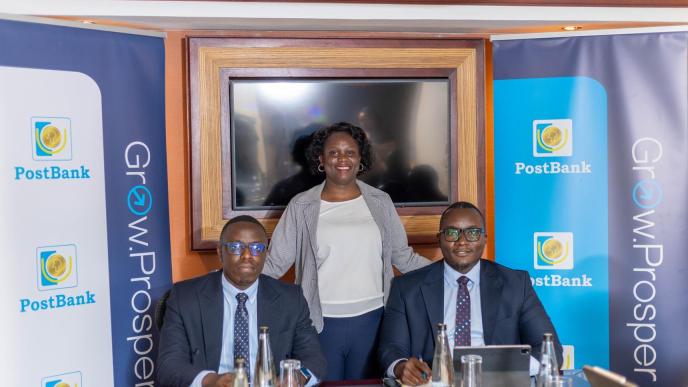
451 289
353 259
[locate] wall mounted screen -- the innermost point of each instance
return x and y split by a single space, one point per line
407 122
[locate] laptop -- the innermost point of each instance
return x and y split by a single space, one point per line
503 365
600 377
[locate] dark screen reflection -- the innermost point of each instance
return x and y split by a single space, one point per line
407 122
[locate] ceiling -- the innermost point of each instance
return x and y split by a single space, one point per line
479 20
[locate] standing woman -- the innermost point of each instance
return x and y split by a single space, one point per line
343 236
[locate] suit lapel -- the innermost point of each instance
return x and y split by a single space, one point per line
268 309
490 295
267 298
376 210
311 213
432 290
212 306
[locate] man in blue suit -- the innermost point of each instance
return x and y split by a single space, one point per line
212 319
482 302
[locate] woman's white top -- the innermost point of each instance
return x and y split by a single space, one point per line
349 259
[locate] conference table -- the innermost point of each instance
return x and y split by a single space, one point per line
576 375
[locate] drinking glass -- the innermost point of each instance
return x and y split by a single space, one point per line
471 371
559 381
290 373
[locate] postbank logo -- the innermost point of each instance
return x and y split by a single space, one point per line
569 357
553 250
72 379
51 138
552 138
56 267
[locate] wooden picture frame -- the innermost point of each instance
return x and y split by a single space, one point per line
212 61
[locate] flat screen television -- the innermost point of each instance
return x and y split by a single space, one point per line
406 119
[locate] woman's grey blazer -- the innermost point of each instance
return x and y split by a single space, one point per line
294 241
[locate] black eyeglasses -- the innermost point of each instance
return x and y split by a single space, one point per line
452 234
237 248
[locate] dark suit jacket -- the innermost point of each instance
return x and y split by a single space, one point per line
191 336
511 312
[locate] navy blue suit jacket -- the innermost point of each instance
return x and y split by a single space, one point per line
511 312
191 336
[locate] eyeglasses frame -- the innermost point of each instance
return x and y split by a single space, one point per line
462 231
226 246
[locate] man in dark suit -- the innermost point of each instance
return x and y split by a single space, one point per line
482 302
212 319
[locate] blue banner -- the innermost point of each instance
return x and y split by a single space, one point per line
551 201
101 144
591 188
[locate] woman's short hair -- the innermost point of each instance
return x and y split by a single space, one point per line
315 149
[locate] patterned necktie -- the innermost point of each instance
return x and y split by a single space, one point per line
462 329
241 331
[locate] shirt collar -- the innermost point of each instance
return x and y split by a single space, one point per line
230 291
451 275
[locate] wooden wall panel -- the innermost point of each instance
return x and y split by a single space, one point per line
208 58
187 263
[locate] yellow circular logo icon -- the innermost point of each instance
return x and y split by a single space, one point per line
56 265
552 136
51 137
552 249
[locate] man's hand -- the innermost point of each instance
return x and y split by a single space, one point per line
215 380
412 372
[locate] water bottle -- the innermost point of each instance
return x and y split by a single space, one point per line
240 375
442 369
548 362
264 375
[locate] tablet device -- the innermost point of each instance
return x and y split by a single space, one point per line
503 365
